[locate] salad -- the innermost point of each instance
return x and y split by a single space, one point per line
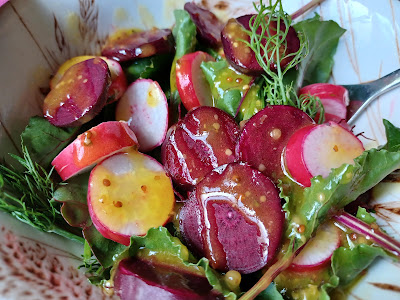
208 161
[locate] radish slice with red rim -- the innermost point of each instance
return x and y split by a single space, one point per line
145 108
316 149
92 146
128 194
318 251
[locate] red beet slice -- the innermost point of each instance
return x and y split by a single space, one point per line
79 95
241 57
139 44
241 218
209 27
142 279
202 141
265 135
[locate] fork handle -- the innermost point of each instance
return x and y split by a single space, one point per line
376 88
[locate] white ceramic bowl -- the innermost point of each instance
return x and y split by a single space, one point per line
36 36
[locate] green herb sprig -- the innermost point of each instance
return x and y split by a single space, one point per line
28 196
267 47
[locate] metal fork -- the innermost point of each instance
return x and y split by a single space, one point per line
369 91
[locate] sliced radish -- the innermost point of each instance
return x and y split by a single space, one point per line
316 149
145 108
118 79
318 251
94 145
191 82
128 194
80 95
334 98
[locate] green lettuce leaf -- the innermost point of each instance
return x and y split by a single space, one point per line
73 195
228 94
323 38
44 141
393 136
159 241
347 263
365 216
330 194
184 33
271 293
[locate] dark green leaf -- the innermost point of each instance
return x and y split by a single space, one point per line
347 263
393 136
153 67
230 102
343 185
323 38
73 194
365 216
44 141
184 33
104 249
159 242
271 293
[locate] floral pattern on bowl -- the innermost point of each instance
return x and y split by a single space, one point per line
37 36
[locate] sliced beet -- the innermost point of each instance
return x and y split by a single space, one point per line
139 44
265 135
143 279
202 141
79 95
241 218
241 57
209 27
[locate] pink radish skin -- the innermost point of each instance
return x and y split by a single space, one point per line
94 145
192 85
334 98
265 135
316 149
128 194
317 253
145 108
141 279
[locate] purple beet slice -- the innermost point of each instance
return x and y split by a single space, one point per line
209 27
139 44
241 219
79 95
241 57
202 141
266 134
141 279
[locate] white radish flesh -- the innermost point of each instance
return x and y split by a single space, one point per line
145 108
318 251
316 149
128 194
